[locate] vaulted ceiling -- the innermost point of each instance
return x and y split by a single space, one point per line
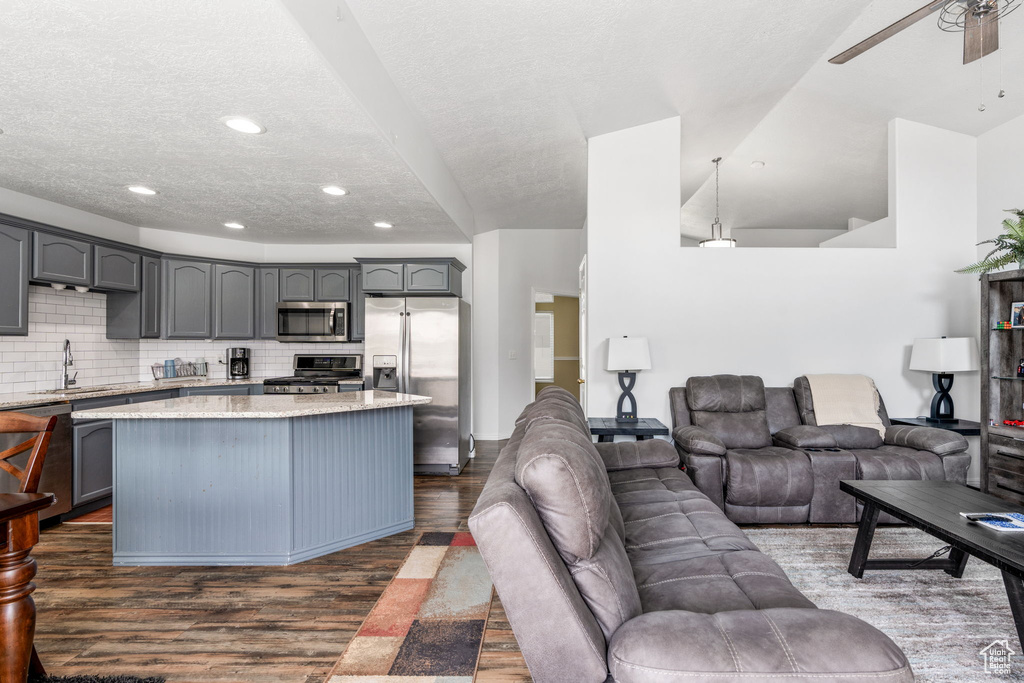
450 117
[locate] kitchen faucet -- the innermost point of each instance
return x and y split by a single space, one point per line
68 361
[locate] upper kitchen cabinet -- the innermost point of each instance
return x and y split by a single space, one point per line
357 309
268 285
332 284
428 277
383 277
187 298
61 260
297 284
116 269
234 302
136 315
14 265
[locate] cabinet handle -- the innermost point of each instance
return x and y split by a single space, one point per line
1010 488
1010 455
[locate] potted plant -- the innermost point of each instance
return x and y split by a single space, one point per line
1009 247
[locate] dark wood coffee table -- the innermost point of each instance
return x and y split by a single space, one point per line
934 507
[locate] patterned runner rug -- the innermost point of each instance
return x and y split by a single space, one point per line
428 625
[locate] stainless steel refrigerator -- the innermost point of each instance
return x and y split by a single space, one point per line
421 345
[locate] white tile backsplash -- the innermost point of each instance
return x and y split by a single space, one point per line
33 363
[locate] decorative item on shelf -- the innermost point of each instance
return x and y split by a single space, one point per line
626 355
1020 368
1013 423
1009 248
942 357
1003 325
717 239
1017 314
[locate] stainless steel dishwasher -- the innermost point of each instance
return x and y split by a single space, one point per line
56 477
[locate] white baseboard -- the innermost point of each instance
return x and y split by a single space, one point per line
490 437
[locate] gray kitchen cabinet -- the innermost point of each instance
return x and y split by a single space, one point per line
357 308
383 277
162 395
427 277
93 455
14 266
332 284
61 260
136 315
101 402
116 269
228 390
268 287
187 299
234 301
297 284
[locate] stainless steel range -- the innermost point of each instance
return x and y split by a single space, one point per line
319 374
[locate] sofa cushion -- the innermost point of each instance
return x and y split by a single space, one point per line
804 436
740 580
781 408
725 394
768 477
852 436
606 583
893 463
938 441
644 485
562 473
625 455
736 430
694 439
555 410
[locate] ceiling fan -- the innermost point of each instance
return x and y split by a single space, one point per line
978 19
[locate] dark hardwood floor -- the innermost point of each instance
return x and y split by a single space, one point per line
251 624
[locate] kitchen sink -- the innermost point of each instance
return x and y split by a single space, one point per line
74 390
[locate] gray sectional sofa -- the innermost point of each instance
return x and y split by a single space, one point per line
759 454
612 565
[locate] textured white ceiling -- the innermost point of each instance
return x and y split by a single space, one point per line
101 94
511 90
825 143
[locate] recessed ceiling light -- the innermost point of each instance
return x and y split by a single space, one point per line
756 164
334 190
382 224
141 189
243 125
234 226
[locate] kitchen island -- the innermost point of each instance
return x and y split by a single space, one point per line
258 480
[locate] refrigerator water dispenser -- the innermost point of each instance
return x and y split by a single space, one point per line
385 373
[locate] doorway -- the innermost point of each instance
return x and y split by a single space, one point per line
556 342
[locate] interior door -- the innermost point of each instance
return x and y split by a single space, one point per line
583 334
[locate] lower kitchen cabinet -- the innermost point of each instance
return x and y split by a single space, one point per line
93 455
235 390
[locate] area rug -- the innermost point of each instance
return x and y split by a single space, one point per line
94 679
942 623
428 625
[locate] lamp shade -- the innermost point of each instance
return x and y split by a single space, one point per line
628 353
945 355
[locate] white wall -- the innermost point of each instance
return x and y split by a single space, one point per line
778 313
510 266
1000 177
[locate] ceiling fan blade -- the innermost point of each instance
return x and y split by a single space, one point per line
981 38
888 32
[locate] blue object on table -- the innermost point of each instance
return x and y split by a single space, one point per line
169 369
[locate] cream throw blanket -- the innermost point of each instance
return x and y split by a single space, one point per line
845 400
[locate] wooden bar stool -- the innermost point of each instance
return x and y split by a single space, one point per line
17 536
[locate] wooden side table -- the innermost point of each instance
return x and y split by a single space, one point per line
963 427
607 428
19 531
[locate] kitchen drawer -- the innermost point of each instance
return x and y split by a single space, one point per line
223 390
103 402
153 396
1008 485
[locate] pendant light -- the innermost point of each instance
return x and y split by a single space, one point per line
717 241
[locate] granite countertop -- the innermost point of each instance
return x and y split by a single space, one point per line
27 399
268 406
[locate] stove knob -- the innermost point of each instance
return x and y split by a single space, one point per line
300 390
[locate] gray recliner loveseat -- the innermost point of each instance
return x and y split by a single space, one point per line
760 455
612 565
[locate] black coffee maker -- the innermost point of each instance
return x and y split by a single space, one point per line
238 363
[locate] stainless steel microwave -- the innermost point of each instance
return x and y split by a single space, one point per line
312 321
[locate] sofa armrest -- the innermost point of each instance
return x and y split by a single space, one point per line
629 455
697 440
939 441
785 644
804 436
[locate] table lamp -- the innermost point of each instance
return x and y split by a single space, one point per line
626 355
942 357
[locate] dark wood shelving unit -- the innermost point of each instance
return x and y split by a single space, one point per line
1002 392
